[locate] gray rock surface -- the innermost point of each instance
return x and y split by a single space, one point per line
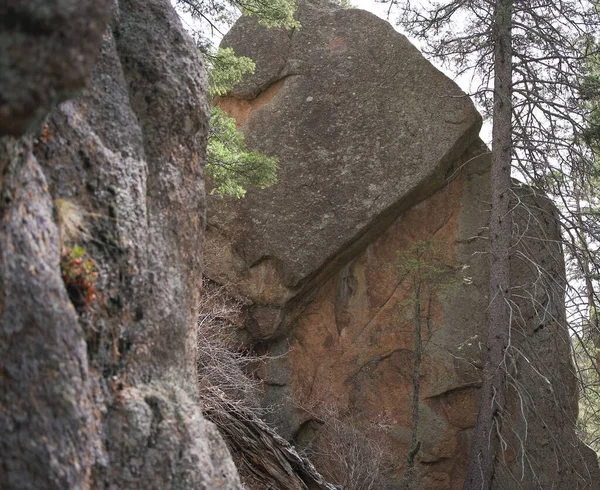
47 50
103 395
543 387
362 125
46 430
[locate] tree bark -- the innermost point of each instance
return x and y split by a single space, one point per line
409 470
486 436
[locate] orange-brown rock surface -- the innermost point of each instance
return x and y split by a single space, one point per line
352 350
339 317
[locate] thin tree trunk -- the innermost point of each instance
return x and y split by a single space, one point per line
415 445
486 436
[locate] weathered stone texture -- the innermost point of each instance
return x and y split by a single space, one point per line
362 125
47 50
45 417
375 156
353 347
128 153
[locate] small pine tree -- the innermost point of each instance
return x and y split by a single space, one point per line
230 165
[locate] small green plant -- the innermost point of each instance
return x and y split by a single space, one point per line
219 15
424 265
345 4
225 69
79 274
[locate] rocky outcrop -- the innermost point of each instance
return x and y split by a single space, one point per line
371 128
353 347
378 152
98 390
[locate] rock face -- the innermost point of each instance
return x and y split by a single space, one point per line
370 127
47 50
376 156
353 347
100 393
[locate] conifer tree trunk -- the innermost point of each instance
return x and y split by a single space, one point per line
486 438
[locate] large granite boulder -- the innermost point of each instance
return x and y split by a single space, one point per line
363 127
101 392
378 152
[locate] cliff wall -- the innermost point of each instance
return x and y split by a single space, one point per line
99 374
379 154
101 229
